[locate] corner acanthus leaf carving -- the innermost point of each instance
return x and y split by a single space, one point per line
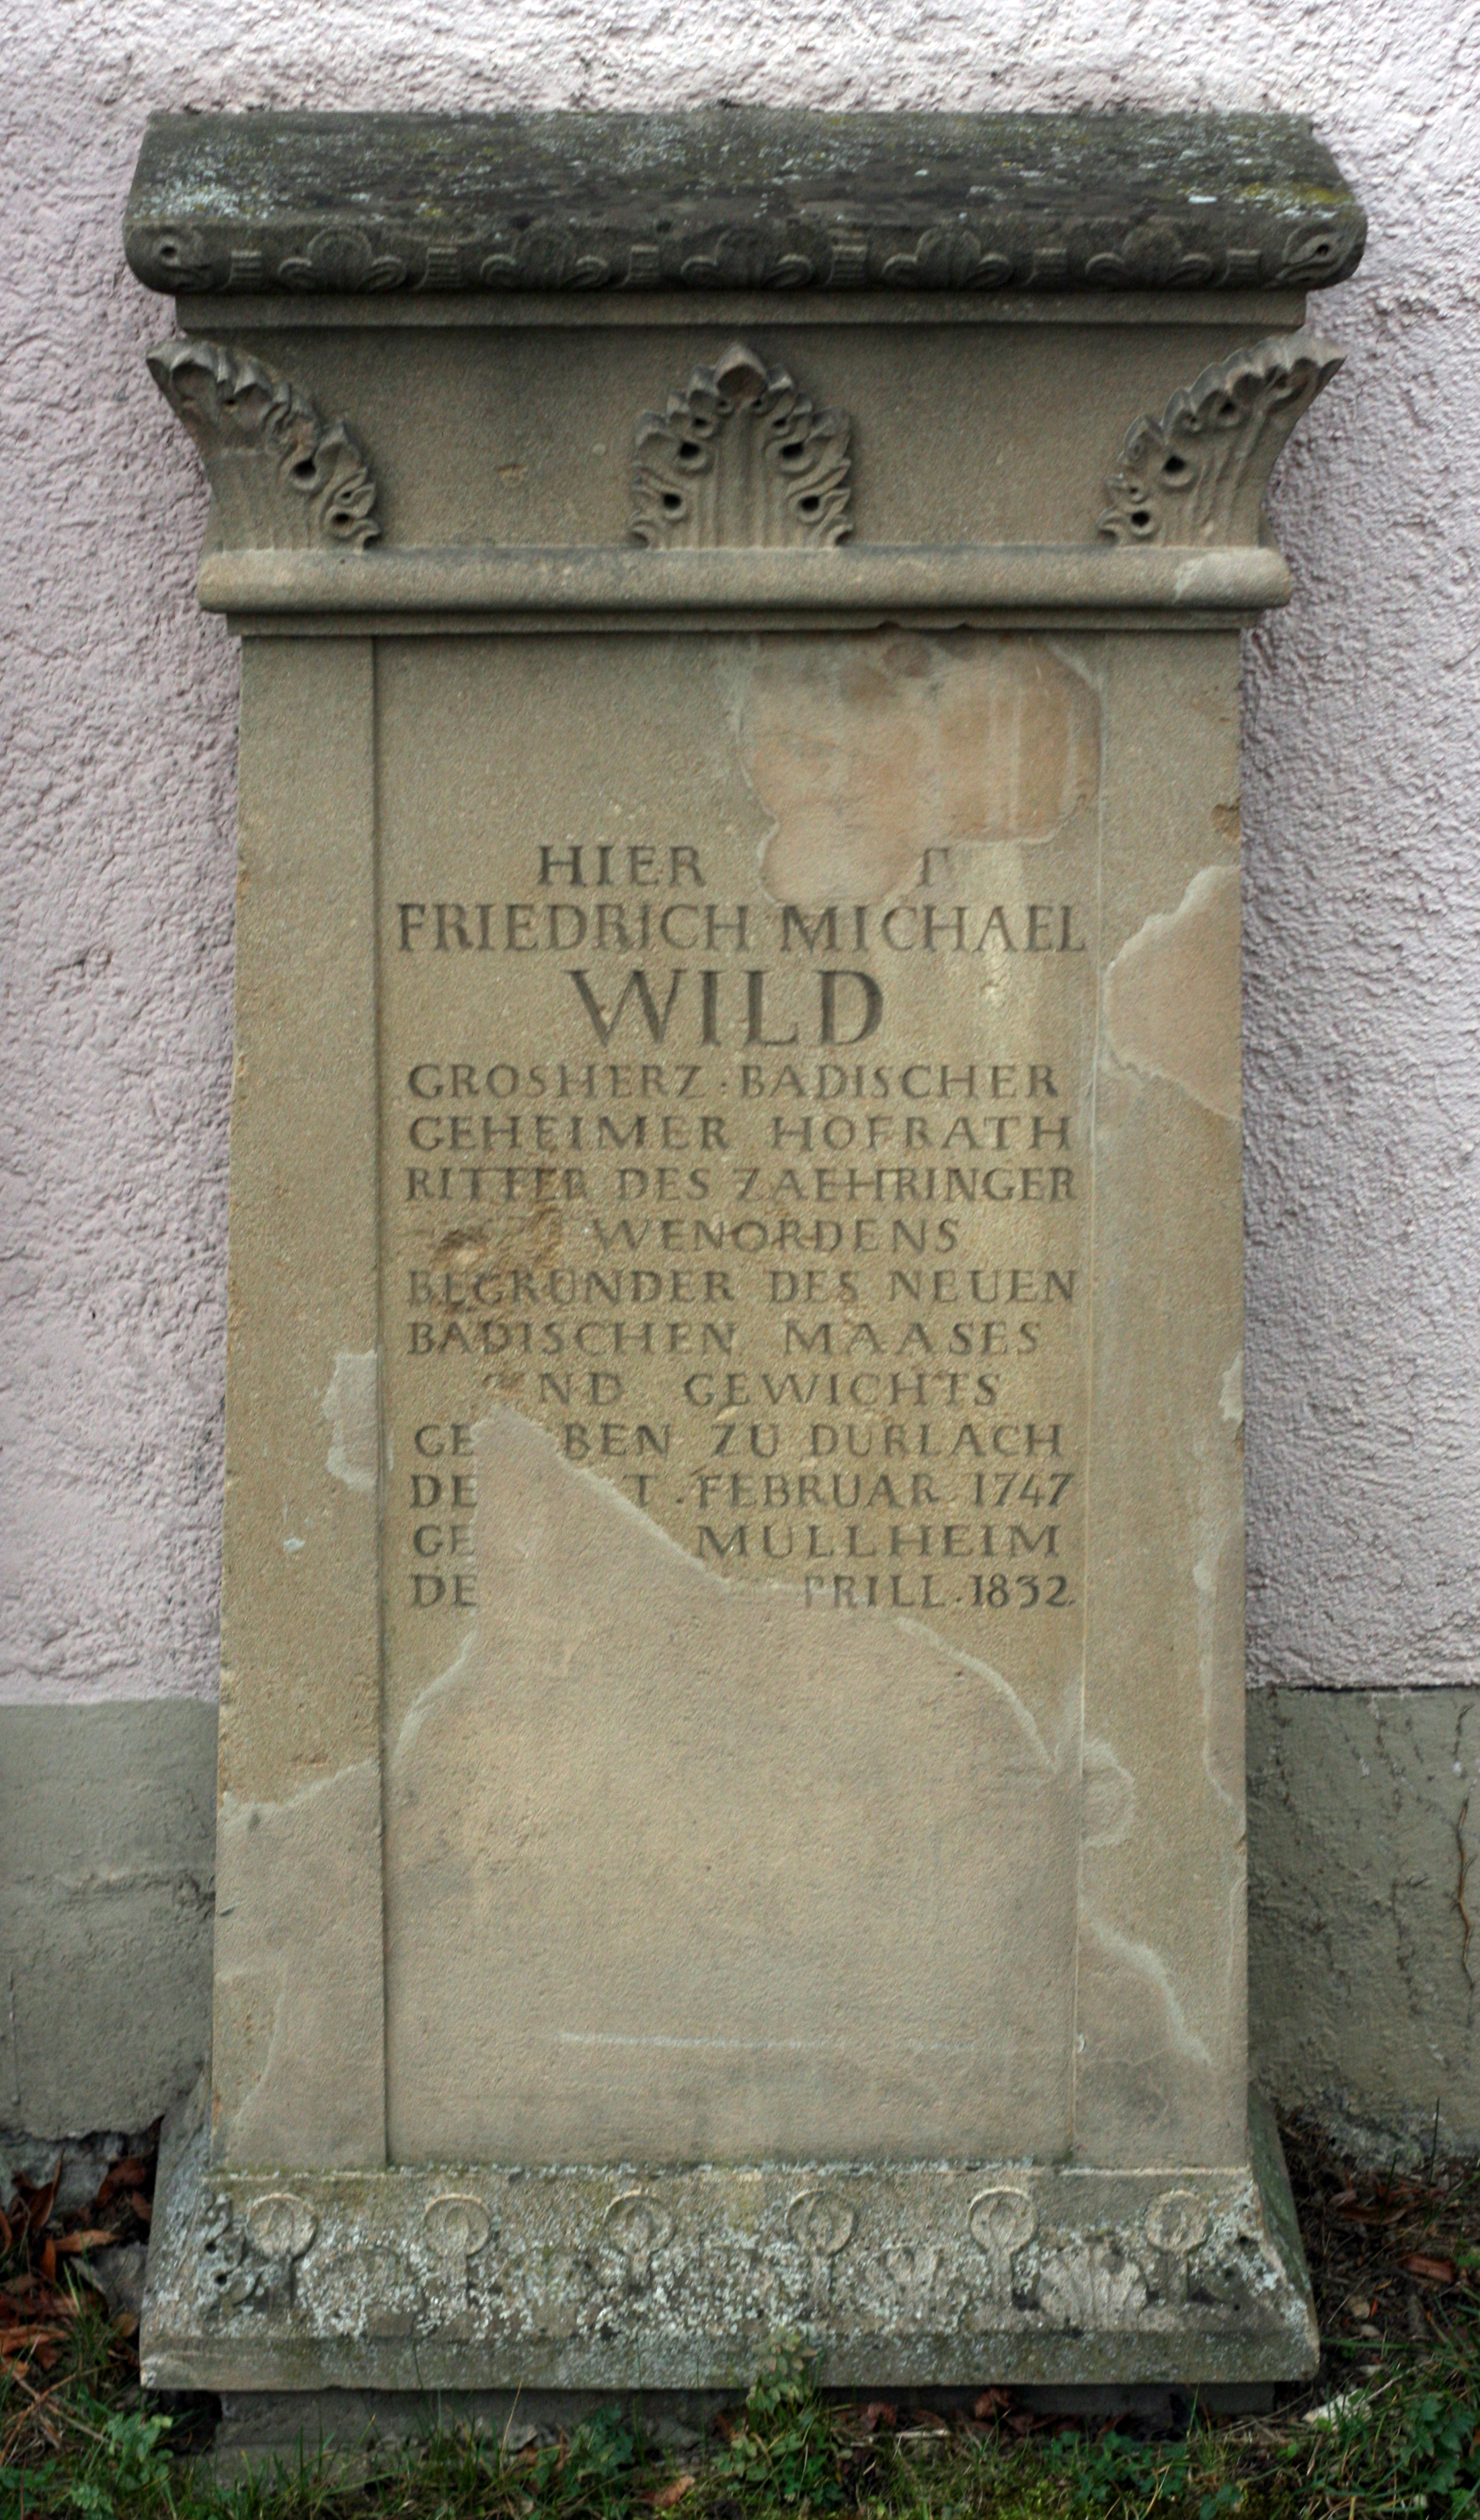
1198 473
741 457
282 477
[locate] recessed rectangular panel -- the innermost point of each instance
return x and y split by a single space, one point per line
737 1021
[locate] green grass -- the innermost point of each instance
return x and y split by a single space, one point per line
1402 2435
1392 2423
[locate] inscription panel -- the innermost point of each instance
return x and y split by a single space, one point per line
738 1001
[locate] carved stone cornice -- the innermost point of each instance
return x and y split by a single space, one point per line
741 198
739 457
1198 473
282 478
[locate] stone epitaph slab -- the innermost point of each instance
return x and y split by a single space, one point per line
732 1802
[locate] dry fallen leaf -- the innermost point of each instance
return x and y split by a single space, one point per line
33 2206
1439 2270
16 2342
74 2243
667 2494
128 2173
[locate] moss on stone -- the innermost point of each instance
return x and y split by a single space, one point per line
738 197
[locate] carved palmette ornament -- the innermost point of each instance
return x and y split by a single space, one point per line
234 2280
455 2228
282 478
1003 2220
403 2262
281 2226
253 2261
823 2226
637 2228
913 2272
740 457
1198 473
1175 2226
1092 2285
341 257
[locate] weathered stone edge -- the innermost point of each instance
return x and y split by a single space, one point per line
577 585
621 2278
746 198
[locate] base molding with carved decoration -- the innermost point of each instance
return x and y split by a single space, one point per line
923 2273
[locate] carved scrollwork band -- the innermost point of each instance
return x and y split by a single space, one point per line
557 255
740 457
282 477
688 2268
1103 2284
1198 473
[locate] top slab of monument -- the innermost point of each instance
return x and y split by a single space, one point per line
738 197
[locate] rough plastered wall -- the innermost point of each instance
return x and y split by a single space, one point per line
1364 879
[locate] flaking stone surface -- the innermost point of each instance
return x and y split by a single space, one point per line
939 2274
1362 1193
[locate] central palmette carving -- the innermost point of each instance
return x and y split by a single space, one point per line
741 456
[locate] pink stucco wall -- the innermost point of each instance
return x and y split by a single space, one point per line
1363 898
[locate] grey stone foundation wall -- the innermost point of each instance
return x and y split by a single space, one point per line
1364 1879
108 1827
